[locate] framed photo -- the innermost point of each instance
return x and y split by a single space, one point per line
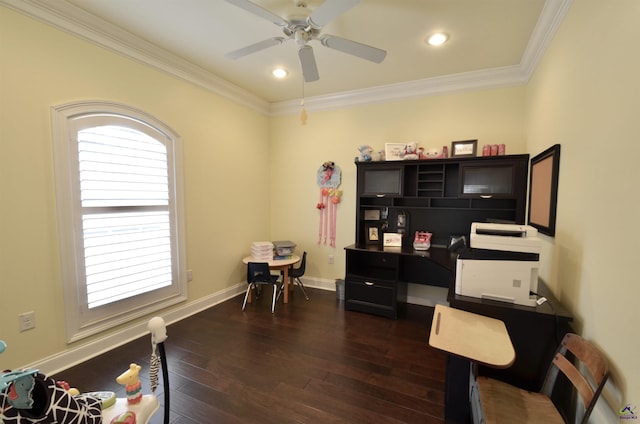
372 214
464 148
392 240
543 190
394 151
372 234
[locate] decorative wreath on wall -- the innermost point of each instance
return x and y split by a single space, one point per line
328 178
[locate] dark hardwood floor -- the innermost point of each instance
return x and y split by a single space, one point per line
311 362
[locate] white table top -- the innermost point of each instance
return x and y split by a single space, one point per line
476 337
293 259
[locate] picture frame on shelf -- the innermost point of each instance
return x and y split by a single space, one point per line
543 190
394 151
464 148
372 214
392 240
372 233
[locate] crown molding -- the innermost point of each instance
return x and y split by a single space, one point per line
551 17
73 20
448 84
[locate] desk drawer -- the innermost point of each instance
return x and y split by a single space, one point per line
375 265
371 296
371 291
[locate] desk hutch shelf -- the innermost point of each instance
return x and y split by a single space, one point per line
441 196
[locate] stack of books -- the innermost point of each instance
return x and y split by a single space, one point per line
262 251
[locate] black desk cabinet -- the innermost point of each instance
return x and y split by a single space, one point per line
534 332
376 278
371 284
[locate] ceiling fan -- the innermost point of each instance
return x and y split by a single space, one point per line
303 29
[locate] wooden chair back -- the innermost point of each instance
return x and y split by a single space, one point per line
590 359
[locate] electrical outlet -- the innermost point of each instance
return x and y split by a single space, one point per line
27 321
330 259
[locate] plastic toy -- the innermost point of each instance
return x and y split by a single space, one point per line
71 390
422 240
132 383
35 398
148 404
28 397
128 417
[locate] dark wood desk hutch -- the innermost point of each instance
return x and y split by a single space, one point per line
441 196
444 196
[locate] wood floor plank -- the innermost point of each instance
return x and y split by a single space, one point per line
310 362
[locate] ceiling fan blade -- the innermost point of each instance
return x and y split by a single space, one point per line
353 48
254 48
308 63
328 11
259 11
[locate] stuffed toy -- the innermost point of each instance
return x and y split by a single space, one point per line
366 153
435 153
410 151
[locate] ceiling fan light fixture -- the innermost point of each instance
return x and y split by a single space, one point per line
280 73
437 39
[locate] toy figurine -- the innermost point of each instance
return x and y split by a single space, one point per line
132 384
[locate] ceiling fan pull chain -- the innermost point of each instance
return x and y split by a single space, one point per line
303 112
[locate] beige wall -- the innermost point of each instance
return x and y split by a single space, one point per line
585 95
225 148
298 151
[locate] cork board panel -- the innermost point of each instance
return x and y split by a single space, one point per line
543 190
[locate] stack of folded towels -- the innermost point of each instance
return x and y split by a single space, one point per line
262 251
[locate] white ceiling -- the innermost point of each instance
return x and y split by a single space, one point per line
485 35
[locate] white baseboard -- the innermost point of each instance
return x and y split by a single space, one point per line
76 355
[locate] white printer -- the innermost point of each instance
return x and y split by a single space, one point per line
502 263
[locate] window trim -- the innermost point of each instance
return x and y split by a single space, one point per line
79 323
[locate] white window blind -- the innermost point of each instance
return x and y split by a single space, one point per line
125 198
120 208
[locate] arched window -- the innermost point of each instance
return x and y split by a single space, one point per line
118 185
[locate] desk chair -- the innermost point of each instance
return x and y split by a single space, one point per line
258 273
493 401
296 273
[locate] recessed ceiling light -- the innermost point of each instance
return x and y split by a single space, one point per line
437 39
280 73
